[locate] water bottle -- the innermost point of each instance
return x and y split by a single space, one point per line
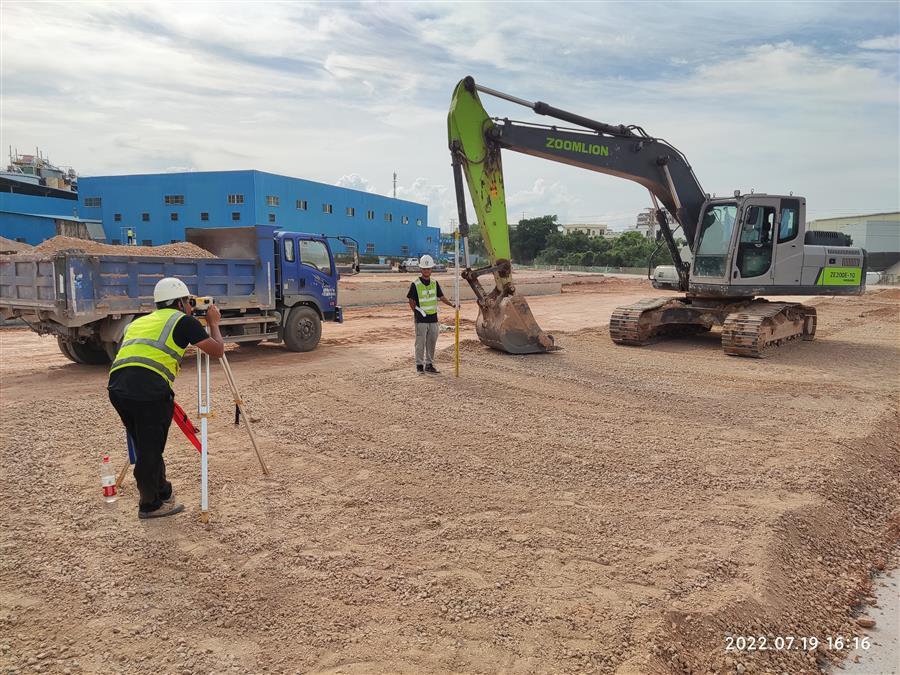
108 480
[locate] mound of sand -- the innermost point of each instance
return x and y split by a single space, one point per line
10 246
181 249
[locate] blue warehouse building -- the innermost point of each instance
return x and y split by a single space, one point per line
32 218
158 208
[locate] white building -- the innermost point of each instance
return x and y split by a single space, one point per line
646 223
591 230
878 233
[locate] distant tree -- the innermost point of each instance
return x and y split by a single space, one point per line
476 240
530 237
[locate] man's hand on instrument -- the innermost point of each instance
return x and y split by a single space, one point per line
213 315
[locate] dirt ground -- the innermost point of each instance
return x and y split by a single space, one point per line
598 509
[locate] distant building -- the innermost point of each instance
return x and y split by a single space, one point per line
647 225
878 233
591 230
158 208
32 218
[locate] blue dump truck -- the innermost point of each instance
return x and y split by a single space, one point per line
270 285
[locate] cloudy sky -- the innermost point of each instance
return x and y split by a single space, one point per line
776 97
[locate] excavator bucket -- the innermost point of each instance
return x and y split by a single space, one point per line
508 325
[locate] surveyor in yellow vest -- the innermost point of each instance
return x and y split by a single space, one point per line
141 379
424 294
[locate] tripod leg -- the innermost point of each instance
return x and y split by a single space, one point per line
229 375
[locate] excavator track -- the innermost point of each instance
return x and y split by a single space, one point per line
757 330
631 324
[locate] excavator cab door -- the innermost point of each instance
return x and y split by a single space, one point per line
754 242
789 242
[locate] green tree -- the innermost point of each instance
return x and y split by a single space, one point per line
530 237
476 240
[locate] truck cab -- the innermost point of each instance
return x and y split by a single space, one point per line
306 273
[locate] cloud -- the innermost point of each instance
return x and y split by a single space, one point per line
440 199
800 74
886 43
542 198
777 96
354 181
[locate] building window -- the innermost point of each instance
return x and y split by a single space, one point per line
145 217
301 204
117 217
272 200
388 217
428 239
271 217
404 250
91 202
351 211
147 242
235 215
370 248
204 215
327 208
174 200
235 199
418 221
173 216
405 220
370 215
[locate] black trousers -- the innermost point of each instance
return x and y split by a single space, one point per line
148 424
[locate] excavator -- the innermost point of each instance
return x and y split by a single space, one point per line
742 247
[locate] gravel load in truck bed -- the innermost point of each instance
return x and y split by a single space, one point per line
180 249
10 246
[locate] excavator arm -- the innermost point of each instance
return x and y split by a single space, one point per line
505 320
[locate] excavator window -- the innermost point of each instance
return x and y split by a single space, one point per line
755 247
790 220
715 240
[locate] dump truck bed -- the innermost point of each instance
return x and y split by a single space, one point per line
73 288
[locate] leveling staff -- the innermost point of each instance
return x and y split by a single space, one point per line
140 384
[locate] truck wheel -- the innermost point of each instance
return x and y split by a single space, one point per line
111 349
302 329
64 348
89 354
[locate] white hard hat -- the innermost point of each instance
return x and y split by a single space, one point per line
426 261
170 288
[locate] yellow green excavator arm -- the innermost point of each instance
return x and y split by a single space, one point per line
505 320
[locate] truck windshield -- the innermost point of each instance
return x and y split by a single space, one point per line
715 240
315 254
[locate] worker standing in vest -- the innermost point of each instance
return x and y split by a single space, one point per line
140 384
423 299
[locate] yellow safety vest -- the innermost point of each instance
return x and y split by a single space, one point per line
427 296
148 343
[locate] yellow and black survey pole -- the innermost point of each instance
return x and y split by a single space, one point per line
456 296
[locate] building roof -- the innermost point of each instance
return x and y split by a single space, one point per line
864 215
55 216
244 171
